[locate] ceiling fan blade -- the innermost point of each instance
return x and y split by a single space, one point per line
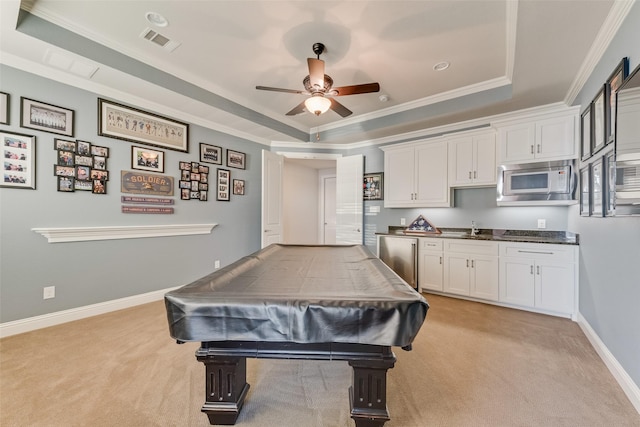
277 89
355 89
339 108
298 109
316 72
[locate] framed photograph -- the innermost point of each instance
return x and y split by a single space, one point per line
610 184
100 162
131 124
235 159
83 173
84 160
372 187
99 151
585 133
66 158
64 171
101 175
598 114
585 195
61 144
66 184
83 185
147 160
238 187
99 187
19 165
83 148
222 187
597 178
210 154
4 108
614 82
46 117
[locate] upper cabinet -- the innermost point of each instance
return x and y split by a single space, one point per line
416 175
551 137
472 160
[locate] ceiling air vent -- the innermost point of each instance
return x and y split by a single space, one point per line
160 40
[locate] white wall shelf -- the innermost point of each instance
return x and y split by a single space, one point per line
84 234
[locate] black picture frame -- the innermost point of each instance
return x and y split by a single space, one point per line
609 184
598 117
238 187
586 132
585 194
596 187
50 118
162 132
19 160
615 80
223 185
4 108
146 159
373 186
210 154
236 159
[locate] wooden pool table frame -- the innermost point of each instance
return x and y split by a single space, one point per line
226 369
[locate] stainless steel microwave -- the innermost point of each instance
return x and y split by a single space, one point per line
545 183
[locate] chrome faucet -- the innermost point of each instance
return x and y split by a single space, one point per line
474 228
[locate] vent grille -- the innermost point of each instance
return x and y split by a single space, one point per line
159 39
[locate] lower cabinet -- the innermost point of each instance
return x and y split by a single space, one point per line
471 269
430 264
539 276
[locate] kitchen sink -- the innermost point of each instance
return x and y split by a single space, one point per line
455 234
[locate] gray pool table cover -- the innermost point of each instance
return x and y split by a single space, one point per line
301 294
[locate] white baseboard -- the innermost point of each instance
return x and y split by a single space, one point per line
51 319
629 387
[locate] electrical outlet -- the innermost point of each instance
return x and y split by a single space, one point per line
217 264
48 292
403 221
542 223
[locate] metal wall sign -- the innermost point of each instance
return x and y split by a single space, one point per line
146 210
146 200
146 183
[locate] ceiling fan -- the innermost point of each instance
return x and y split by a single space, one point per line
320 88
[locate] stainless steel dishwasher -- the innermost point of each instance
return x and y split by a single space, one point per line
401 254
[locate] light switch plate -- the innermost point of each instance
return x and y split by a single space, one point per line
542 223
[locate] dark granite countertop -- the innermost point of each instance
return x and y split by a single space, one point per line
498 235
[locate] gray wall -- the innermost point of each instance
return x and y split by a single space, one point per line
90 272
610 247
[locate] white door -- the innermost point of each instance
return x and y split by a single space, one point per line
329 211
271 198
349 202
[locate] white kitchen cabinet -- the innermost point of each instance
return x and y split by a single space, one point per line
539 276
430 264
416 175
471 268
549 138
472 160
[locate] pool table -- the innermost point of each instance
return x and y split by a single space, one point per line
298 302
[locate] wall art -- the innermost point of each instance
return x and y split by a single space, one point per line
194 181
145 183
4 108
614 82
45 117
80 166
585 194
238 187
147 159
222 185
210 154
597 178
372 187
598 115
131 124
585 133
19 160
235 159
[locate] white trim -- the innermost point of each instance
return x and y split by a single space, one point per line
83 234
510 37
308 155
619 11
630 388
51 319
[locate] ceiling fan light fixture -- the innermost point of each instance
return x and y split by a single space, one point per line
317 104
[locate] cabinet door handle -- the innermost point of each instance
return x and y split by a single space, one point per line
469 174
532 149
532 269
440 260
535 252
538 148
475 174
467 263
472 266
538 270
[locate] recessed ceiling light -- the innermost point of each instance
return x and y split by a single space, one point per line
156 19
440 66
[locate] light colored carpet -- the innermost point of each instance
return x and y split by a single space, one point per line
472 365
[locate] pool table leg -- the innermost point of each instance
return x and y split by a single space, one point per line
226 387
368 394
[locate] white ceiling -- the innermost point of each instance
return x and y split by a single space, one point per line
504 55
